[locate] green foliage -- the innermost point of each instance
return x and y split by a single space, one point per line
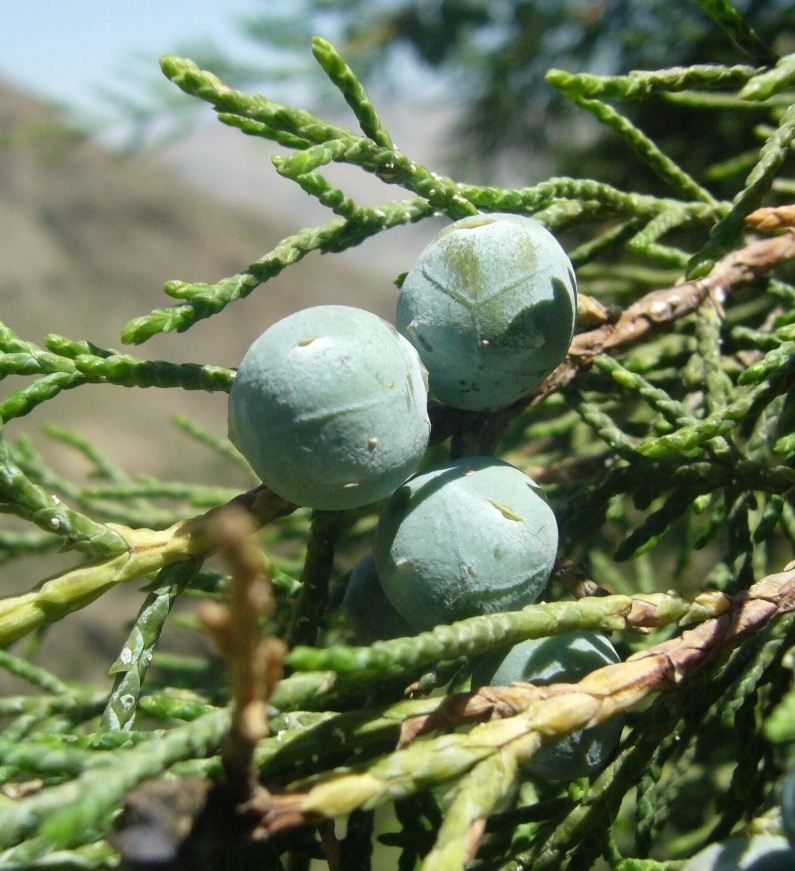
664 444
490 59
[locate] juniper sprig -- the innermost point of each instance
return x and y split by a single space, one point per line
663 442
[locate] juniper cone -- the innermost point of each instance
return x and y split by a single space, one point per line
490 306
329 407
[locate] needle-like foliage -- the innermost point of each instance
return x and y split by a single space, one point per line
664 442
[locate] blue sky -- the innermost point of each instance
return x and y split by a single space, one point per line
65 50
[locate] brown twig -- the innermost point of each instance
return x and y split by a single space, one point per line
772 218
656 668
662 307
254 664
552 711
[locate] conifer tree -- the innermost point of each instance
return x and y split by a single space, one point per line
663 442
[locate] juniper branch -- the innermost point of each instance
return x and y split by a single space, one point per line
525 710
205 300
31 502
647 150
769 82
477 635
727 230
67 364
737 29
20 402
144 551
641 84
613 200
342 76
133 661
375 153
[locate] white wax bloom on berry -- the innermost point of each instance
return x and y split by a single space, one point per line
490 305
473 536
329 407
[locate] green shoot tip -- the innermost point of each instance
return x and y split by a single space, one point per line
172 65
